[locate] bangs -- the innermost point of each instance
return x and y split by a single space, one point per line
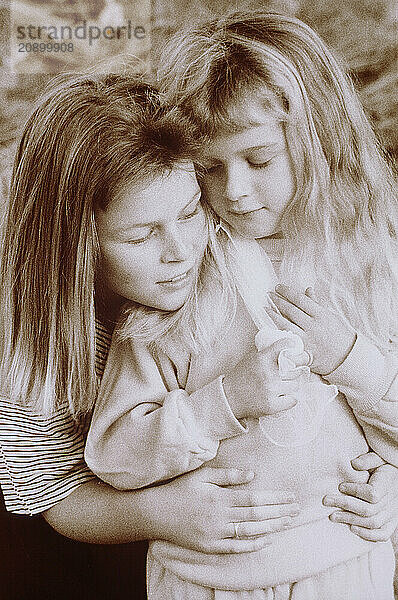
236 77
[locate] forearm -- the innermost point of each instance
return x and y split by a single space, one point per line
144 431
369 381
98 514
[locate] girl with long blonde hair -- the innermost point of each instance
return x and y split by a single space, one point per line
291 167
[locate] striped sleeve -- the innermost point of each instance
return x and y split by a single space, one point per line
42 457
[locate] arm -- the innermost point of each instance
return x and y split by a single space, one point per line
369 380
194 511
42 471
366 376
141 432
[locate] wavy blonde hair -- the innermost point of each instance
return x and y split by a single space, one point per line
87 137
341 224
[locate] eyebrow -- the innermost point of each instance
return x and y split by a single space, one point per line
138 225
270 146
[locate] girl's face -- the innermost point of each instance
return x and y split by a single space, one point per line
152 239
248 176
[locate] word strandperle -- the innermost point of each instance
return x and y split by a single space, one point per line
80 32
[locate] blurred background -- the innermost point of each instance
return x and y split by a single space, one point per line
362 32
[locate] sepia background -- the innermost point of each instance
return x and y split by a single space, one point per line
362 32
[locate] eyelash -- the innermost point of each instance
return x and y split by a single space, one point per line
186 217
260 165
191 214
263 165
142 240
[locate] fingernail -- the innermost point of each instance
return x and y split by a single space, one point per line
295 510
328 501
343 487
335 517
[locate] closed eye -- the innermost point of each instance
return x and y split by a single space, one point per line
191 214
261 165
143 239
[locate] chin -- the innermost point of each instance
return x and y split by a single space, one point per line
171 306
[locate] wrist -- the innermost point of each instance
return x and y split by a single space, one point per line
348 346
229 388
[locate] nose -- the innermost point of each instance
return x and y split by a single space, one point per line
237 184
176 246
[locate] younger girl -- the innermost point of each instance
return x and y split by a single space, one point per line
287 150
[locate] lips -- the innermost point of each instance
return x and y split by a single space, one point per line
177 278
240 213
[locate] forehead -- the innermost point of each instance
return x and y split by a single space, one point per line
150 201
260 127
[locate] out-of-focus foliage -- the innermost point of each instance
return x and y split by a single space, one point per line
364 34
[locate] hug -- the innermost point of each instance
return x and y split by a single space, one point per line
199 292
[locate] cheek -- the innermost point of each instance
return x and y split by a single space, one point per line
121 272
212 189
201 238
215 201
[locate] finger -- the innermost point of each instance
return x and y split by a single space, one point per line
249 498
292 312
304 359
374 522
374 535
279 403
255 528
224 477
238 546
302 301
367 461
364 491
359 507
281 322
261 513
382 481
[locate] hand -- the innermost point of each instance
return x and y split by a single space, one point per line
326 334
255 388
370 509
196 511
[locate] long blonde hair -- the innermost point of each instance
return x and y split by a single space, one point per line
341 225
87 137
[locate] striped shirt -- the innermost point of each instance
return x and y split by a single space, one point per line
42 457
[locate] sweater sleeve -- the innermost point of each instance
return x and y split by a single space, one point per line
142 433
369 380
